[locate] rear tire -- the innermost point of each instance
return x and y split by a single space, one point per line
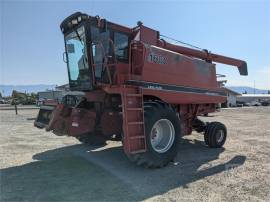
215 134
162 130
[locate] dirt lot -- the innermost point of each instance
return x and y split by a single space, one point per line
38 166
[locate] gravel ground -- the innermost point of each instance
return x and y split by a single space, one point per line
39 166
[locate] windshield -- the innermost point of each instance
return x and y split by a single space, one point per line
79 72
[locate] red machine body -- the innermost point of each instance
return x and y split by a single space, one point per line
142 70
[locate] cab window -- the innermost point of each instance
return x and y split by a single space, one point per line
121 46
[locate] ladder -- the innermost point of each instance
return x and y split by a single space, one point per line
133 120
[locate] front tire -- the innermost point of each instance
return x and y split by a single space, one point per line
215 134
162 130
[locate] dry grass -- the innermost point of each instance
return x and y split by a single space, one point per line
38 166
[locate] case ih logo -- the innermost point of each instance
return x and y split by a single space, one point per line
157 59
154 87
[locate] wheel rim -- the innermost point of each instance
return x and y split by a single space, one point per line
220 136
162 135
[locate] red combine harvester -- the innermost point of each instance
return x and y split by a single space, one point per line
137 88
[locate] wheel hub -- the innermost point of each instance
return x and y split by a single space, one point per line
162 135
220 136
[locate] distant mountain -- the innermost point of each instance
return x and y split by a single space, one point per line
6 90
249 90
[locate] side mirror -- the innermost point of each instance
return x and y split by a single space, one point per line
94 48
65 57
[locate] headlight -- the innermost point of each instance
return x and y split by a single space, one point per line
74 22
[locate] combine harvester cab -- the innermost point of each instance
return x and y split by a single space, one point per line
137 88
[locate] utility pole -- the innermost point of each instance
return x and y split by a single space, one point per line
16 109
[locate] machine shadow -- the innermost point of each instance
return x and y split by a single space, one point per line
83 173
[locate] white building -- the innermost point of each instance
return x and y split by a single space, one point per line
248 98
231 98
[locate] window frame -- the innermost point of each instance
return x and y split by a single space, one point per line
113 32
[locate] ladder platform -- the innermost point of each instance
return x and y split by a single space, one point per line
138 151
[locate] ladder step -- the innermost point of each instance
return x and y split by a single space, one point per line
134 95
137 49
137 137
135 123
135 109
138 151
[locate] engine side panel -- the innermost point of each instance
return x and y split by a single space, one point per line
167 67
175 78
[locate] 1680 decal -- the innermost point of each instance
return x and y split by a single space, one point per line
158 59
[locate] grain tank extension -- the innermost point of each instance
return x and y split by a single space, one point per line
137 88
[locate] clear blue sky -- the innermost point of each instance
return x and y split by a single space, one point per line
32 44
